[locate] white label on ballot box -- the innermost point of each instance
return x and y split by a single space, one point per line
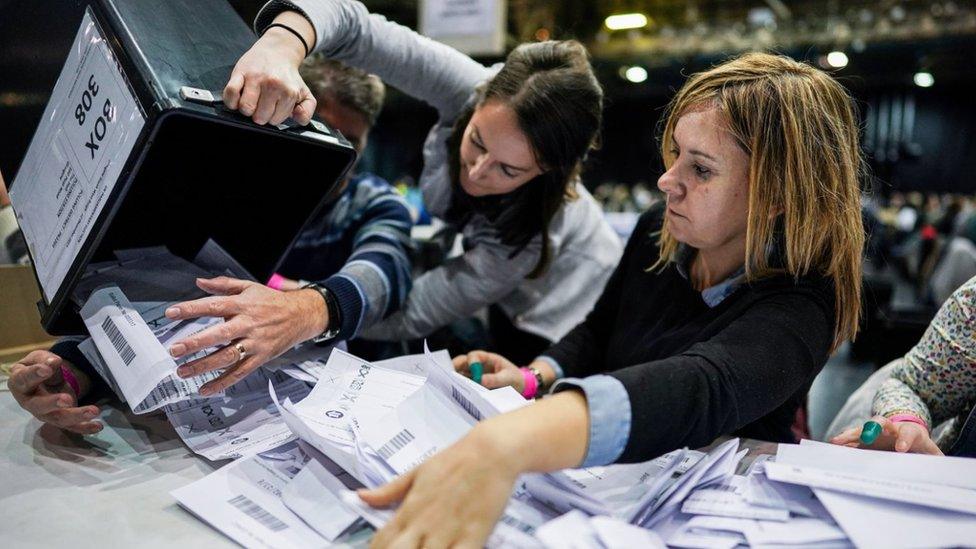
76 156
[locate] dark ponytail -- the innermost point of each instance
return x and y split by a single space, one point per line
559 104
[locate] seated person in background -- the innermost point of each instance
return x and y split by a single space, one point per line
933 383
723 309
358 249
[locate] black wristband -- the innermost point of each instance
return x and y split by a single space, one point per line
291 30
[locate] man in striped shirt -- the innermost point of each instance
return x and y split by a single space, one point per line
358 248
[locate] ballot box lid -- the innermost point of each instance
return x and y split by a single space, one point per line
135 150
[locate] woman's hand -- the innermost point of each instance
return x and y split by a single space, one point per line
265 83
454 498
262 321
38 386
497 371
903 436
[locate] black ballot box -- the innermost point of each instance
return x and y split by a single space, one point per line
136 151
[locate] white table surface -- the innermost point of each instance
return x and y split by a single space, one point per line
107 490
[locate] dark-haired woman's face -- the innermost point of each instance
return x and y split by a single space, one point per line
496 157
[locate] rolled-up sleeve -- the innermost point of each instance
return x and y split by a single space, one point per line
610 416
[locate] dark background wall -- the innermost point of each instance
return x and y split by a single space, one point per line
940 155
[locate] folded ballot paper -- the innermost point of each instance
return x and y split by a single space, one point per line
128 348
365 423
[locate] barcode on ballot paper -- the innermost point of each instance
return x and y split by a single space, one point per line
118 341
257 513
465 403
395 444
518 524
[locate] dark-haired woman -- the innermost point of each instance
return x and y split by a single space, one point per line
501 164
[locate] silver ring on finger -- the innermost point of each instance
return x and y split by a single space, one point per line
241 351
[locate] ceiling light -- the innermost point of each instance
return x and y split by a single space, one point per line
626 21
636 74
837 59
924 79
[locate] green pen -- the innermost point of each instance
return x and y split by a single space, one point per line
870 432
476 371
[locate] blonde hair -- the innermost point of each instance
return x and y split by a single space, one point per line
799 127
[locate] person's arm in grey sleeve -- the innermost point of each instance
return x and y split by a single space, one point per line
457 289
420 67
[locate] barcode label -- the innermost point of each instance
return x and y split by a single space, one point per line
465 403
257 513
395 444
518 524
118 341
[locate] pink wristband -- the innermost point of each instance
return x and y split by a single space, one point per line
275 281
898 418
531 386
71 380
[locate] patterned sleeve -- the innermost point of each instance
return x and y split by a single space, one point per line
937 378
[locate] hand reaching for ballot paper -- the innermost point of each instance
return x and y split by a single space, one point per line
263 322
451 500
37 384
903 436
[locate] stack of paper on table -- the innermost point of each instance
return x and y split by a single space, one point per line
365 423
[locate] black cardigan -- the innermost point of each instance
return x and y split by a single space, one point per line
693 372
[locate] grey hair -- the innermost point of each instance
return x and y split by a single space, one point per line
354 88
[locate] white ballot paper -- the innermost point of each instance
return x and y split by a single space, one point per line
312 495
244 501
727 500
420 426
871 522
576 530
241 422
131 338
949 471
349 388
949 498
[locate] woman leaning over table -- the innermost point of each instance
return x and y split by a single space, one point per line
501 166
723 309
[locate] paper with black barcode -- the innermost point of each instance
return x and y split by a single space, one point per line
133 352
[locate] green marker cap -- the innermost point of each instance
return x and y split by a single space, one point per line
476 371
870 432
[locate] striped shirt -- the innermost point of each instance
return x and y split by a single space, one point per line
358 248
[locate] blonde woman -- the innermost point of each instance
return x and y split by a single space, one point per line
721 312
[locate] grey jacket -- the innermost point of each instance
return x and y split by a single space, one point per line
584 247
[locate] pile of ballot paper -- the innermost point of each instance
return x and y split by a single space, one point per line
364 423
311 427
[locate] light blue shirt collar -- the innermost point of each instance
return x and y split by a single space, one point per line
716 294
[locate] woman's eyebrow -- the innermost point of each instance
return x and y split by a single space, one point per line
696 152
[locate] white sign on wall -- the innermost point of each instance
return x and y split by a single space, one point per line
88 129
471 26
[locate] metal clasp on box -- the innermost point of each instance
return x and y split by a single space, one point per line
197 95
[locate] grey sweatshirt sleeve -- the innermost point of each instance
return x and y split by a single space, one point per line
457 289
423 68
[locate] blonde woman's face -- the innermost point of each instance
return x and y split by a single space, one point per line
707 186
